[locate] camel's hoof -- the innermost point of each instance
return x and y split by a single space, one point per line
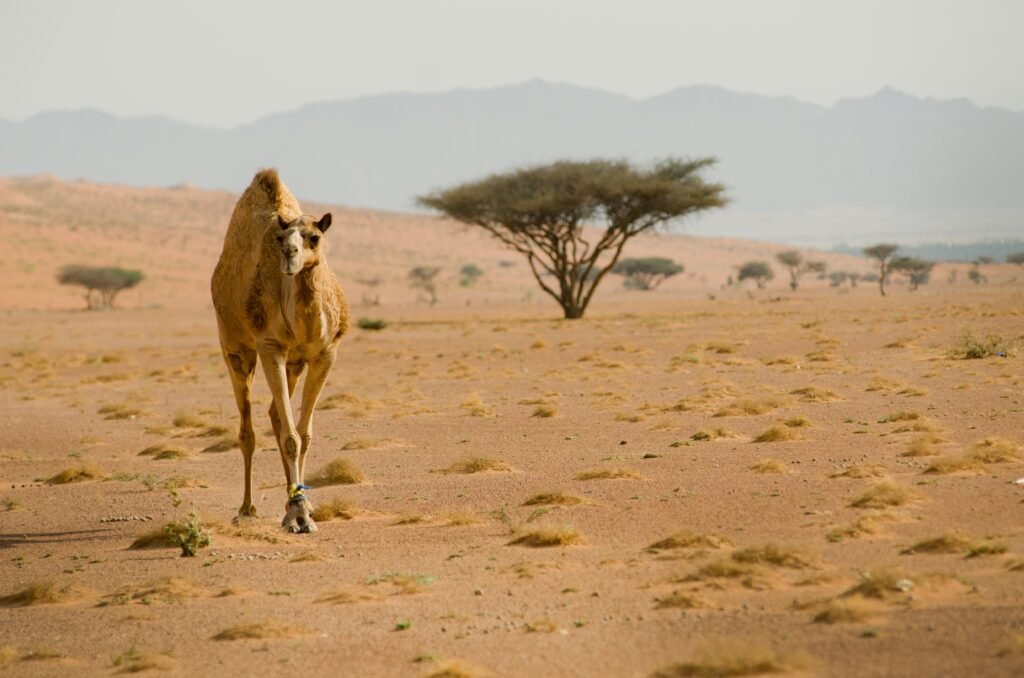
297 519
245 514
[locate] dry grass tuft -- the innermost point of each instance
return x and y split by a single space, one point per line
749 407
365 444
903 415
542 625
881 584
223 445
42 593
777 434
813 394
685 539
460 518
608 474
76 474
735 657
473 464
562 535
923 446
114 411
555 498
948 465
720 569
845 611
772 555
677 600
457 669
336 507
861 471
186 419
995 451
797 422
164 451
711 434
347 595
337 472
476 407
946 543
265 630
865 525
769 466
164 589
307 557
160 537
544 412
885 493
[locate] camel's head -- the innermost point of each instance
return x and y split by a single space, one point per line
299 240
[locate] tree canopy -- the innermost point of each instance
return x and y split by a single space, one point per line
758 271
648 272
918 271
102 284
794 261
541 212
882 252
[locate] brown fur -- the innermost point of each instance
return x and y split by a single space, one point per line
252 296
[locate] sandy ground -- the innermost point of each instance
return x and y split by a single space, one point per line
786 554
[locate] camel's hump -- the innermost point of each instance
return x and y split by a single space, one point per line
269 182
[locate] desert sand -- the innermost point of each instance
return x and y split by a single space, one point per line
689 480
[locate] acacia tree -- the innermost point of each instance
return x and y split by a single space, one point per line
541 213
102 284
647 273
883 252
918 271
422 278
758 271
794 262
1015 258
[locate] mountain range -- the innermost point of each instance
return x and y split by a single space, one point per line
887 166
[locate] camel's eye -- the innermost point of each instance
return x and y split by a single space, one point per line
314 240
280 238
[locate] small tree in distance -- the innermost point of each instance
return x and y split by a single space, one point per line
102 284
540 212
1015 258
646 273
422 278
758 271
882 252
794 262
918 271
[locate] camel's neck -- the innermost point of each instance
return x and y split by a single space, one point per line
298 295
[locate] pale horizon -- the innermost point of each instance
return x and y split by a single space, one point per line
230 63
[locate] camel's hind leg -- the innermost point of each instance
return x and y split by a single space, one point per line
241 366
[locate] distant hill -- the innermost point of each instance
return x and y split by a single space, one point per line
889 165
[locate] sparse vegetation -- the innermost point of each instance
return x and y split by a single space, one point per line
777 434
190 535
264 630
422 278
371 324
42 593
735 657
883 494
475 464
555 498
76 474
336 507
795 263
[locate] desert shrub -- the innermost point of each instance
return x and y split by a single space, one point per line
189 535
422 278
371 324
469 274
646 273
971 347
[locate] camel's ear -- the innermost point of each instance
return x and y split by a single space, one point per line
324 223
282 222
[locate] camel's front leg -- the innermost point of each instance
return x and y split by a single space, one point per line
319 368
274 358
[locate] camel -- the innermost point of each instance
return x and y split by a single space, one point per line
276 298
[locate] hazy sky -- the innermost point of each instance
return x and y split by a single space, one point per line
228 62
